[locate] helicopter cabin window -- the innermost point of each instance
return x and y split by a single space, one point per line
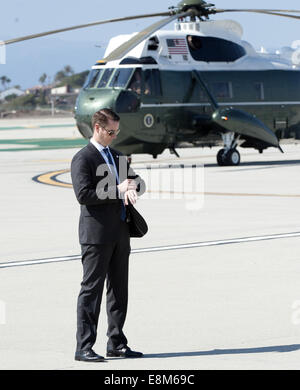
178 86
146 83
105 78
259 91
152 86
210 49
222 90
135 84
120 78
92 78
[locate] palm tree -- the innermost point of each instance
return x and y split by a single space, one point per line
4 81
60 75
43 78
65 72
68 70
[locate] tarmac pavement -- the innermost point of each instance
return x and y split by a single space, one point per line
219 304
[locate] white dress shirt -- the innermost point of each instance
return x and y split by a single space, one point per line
100 149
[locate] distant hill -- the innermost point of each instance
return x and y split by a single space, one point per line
75 81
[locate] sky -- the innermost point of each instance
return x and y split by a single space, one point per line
27 61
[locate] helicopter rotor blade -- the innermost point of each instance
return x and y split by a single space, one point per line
262 11
123 49
171 13
258 10
97 23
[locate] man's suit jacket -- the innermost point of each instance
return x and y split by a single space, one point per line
100 217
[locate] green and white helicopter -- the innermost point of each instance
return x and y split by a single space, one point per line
199 84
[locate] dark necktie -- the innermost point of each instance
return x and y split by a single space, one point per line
108 155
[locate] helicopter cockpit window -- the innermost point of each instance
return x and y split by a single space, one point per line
210 49
105 78
135 84
120 78
92 78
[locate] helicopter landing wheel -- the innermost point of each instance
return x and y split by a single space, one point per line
233 157
221 157
229 157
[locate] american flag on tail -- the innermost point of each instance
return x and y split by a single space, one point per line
177 46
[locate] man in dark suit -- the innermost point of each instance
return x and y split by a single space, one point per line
103 191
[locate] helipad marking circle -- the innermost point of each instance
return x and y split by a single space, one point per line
51 179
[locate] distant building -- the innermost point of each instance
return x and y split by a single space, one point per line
36 90
64 90
9 92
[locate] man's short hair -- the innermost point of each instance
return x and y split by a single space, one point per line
102 117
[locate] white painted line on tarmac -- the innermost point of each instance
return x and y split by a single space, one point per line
39 261
158 249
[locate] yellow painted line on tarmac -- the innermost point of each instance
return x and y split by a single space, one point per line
225 194
258 195
50 178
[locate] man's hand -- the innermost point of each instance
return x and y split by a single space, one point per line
131 196
127 185
132 185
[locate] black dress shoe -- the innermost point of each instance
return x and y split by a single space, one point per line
125 352
88 356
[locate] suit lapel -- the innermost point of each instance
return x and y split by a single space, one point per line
96 153
100 158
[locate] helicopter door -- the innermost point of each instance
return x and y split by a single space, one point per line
152 86
151 96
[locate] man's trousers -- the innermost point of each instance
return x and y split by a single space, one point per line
106 261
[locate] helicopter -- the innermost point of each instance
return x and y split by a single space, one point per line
199 85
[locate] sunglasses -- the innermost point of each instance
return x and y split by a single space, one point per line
111 132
